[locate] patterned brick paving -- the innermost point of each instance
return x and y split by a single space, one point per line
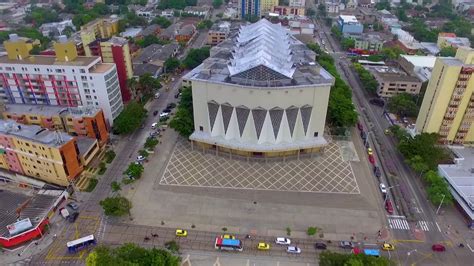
325 173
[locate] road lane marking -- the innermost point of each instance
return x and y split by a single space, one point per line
408 241
437 225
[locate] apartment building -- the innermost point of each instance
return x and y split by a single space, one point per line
448 105
218 33
255 8
297 3
393 81
40 153
101 28
349 25
64 80
88 121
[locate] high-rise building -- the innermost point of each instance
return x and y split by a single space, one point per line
249 8
116 50
267 6
88 121
448 104
260 94
101 28
65 79
38 152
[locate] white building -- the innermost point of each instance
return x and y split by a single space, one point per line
70 81
418 65
297 3
260 93
56 28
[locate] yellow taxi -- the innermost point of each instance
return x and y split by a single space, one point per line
387 246
227 236
181 233
370 151
263 246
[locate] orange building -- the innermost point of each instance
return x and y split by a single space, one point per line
85 121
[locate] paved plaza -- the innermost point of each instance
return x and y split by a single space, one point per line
327 172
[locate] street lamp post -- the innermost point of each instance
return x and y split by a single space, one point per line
440 204
409 253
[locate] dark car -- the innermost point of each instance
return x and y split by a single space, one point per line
171 106
155 112
377 172
378 102
72 217
320 245
363 135
167 110
360 126
73 205
177 94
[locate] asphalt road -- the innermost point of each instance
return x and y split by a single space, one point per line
406 186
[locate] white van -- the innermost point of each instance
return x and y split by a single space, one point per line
157 95
154 125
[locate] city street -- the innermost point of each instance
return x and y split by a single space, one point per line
415 235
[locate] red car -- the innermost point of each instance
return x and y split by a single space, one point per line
389 207
360 126
438 248
372 159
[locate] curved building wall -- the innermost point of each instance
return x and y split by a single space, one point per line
259 119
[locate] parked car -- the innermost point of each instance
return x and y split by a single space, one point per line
282 241
383 188
363 135
263 246
73 205
154 134
73 217
177 95
378 102
155 112
346 244
389 206
360 126
167 110
438 248
164 114
387 247
377 172
154 125
372 159
171 106
293 250
140 158
320 245
157 95
370 151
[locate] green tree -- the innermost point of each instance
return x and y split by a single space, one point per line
195 57
392 53
171 64
148 84
115 186
368 81
328 258
205 24
116 206
150 143
383 5
162 21
130 118
135 170
336 32
403 104
418 164
131 254
347 43
183 121
448 51
217 3
38 16
424 145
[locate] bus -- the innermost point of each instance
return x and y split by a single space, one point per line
372 252
228 244
81 243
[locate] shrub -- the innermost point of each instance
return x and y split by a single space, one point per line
109 156
92 183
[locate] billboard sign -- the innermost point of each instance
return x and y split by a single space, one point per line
19 226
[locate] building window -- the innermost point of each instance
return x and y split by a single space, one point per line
316 134
201 128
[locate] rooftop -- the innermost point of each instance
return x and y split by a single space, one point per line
420 60
131 32
52 110
16 206
460 176
387 73
118 41
155 52
262 54
34 133
348 18
152 29
84 144
84 61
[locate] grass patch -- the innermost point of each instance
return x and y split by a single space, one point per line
92 183
109 156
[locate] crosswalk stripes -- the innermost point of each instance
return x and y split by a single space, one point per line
401 224
423 225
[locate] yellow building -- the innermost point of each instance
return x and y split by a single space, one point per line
102 28
267 6
19 48
117 48
33 151
448 104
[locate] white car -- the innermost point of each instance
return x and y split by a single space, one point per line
140 158
383 188
164 114
282 241
293 250
154 125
